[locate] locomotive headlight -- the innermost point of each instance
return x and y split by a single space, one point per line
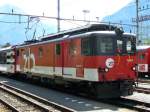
106 69
133 68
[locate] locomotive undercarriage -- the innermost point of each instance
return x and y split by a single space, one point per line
144 74
106 89
113 89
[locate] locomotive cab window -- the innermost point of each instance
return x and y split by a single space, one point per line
119 46
126 45
58 49
104 45
97 45
130 45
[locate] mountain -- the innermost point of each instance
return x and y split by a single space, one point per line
13 28
125 16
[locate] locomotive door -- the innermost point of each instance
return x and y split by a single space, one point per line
79 60
58 63
73 58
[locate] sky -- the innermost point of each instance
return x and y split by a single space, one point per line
97 9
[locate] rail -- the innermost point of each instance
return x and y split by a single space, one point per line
12 108
40 103
142 90
130 104
144 80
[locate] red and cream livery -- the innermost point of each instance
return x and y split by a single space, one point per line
98 57
143 60
7 60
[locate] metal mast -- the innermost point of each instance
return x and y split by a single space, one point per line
58 15
137 21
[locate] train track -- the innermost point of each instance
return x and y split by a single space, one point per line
122 102
143 80
21 101
142 90
130 104
4 108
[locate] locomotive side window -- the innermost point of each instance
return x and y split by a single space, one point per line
86 48
142 56
58 49
40 52
72 48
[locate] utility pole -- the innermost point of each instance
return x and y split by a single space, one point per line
137 21
58 15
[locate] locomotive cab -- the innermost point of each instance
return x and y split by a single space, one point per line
113 56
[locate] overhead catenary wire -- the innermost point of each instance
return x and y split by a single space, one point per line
65 19
34 25
31 18
13 22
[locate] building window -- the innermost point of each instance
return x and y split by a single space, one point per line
58 49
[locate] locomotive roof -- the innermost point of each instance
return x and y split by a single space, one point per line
75 36
79 30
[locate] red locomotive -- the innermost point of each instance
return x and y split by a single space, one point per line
143 60
98 58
